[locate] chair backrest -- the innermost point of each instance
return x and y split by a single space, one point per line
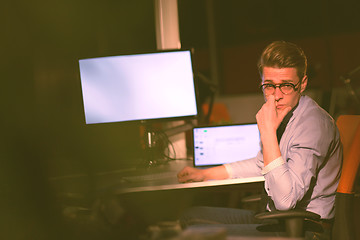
344 227
349 128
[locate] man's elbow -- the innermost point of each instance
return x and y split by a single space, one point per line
283 205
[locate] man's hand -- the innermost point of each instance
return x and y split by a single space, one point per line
269 117
190 174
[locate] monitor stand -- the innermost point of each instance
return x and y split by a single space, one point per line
153 144
151 148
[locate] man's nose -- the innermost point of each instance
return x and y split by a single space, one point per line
278 94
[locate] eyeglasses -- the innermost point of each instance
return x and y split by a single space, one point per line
285 88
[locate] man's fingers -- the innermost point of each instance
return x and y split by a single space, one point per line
271 100
185 175
182 173
283 113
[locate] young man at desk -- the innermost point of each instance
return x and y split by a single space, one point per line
301 153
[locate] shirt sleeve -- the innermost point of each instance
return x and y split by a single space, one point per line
244 168
274 164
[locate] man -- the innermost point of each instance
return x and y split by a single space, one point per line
300 155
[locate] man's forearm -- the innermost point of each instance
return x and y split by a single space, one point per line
271 149
216 173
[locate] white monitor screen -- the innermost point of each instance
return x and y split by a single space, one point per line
138 87
216 145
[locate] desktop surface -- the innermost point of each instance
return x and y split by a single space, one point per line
163 177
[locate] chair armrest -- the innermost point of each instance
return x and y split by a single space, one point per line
293 213
293 219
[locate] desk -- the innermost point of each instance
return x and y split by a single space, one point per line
135 205
118 183
166 198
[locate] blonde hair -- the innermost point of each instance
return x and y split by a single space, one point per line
281 54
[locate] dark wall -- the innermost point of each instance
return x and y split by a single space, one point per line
41 48
43 130
328 31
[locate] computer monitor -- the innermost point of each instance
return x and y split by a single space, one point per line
138 87
143 87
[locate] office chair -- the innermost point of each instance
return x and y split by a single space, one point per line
343 227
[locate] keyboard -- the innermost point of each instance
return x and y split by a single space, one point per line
151 177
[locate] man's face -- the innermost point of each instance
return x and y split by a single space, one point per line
284 75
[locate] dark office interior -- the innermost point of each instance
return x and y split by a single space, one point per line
44 135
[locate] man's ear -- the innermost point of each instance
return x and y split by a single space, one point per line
303 84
